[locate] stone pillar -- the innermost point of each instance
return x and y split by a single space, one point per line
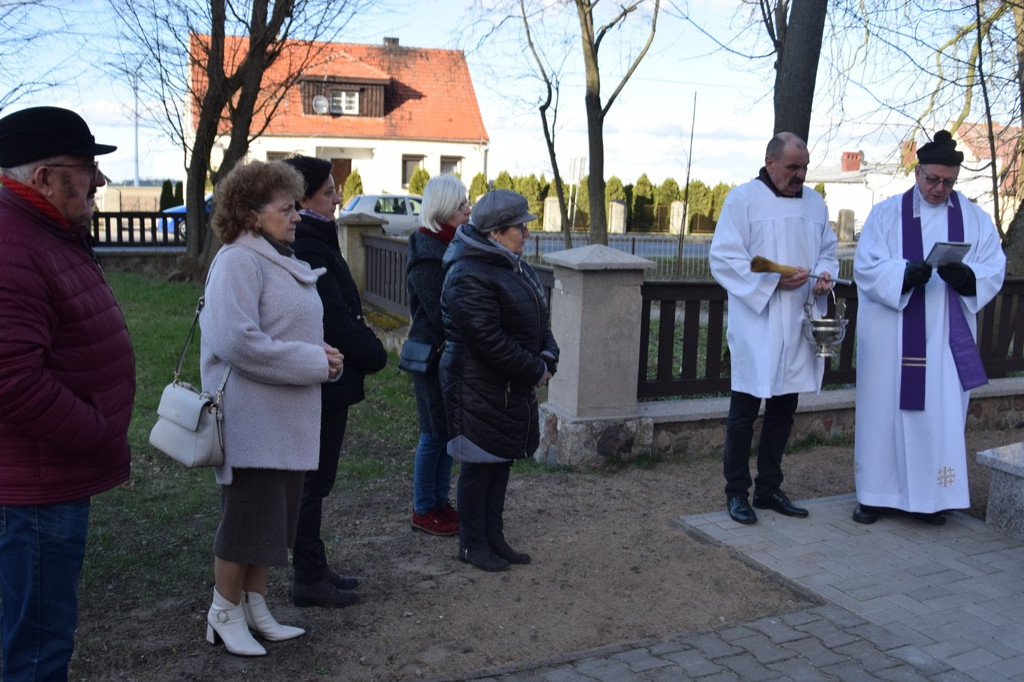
591 412
845 225
677 216
616 217
552 216
351 229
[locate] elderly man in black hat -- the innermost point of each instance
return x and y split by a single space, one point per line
917 359
67 383
498 349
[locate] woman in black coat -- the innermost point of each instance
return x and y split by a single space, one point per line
316 242
445 207
498 350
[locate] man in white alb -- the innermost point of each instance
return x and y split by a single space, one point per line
917 360
776 217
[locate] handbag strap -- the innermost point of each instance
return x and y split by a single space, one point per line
188 341
184 351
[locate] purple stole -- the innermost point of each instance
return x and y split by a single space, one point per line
961 343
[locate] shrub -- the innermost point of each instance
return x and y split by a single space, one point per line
353 186
167 195
418 181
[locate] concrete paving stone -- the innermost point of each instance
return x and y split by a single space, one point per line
799 670
776 629
669 647
884 639
611 671
531 677
694 662
902 673
992 641
896 614
928 592
920 659
828 634
746 667
725 676
1009 667
563 673
947 648
815 652
640 660
764 649
734 632
915 607
969 660
851 671
713 646
989 612
957 676
838 617
801 617
867 656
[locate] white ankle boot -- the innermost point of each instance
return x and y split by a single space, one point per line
226 622
259 618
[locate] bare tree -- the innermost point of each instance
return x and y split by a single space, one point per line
592 36
184 55
25 27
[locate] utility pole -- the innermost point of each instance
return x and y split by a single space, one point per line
135 83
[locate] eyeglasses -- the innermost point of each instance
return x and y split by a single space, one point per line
932 180
93 167
465 206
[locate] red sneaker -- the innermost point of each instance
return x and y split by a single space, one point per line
432 522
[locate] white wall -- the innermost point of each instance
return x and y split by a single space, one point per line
379 162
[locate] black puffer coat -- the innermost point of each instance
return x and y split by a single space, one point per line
496 328
316 242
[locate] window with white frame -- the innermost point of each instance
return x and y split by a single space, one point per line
345 102
451 165
409 166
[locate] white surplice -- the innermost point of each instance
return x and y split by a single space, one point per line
769 354
914 460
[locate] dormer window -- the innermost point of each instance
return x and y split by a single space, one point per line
345 102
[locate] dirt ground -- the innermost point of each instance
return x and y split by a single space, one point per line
609 567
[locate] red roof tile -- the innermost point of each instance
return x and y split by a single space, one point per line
429 93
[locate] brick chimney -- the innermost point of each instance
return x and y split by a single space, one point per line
851 161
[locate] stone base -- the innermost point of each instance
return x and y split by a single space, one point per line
591 443
1005 513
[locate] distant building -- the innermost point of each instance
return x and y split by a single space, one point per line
856 184
382 110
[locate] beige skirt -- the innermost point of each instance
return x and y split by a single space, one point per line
259 516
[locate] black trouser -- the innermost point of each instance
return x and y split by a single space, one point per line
739 432
309 556
482 503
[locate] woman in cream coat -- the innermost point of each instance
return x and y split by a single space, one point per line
263 321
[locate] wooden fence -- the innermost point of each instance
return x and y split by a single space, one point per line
138 228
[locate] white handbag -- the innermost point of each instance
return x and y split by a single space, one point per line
188 425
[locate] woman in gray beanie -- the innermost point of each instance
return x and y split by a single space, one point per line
498 350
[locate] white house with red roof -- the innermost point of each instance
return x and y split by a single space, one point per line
382 110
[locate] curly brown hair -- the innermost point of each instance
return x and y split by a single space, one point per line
248 188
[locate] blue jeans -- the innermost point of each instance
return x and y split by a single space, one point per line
431 473
42 549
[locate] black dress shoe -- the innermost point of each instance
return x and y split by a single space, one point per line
936 519
342 582
740 511
866 514
485 559
322 594
777 501
510 555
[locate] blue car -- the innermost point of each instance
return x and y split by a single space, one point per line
175 219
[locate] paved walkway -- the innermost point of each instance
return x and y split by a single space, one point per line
900 600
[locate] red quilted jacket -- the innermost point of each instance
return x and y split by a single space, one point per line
67 370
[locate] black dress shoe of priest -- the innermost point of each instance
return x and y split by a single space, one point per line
936 519
866 514
740 511
777 501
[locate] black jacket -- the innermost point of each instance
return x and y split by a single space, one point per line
496 328
316 242
424 277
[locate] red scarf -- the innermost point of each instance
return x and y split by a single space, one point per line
33 197
445 235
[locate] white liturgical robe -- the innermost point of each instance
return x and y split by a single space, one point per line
769 354
914 460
